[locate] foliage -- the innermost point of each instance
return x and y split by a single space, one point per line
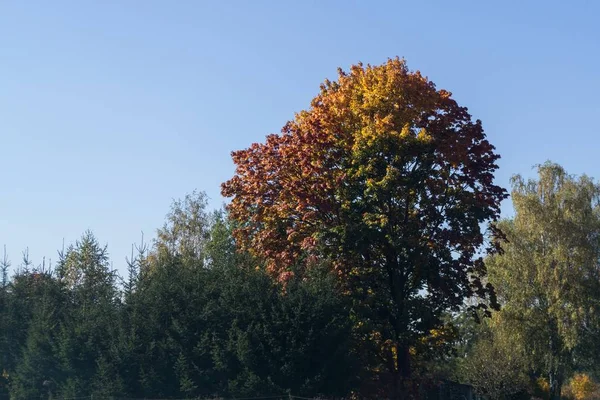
496 365
547 277
541 388
195 319
389 179
38 363
582 387
185 231
19 301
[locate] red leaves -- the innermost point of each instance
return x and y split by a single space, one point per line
332 164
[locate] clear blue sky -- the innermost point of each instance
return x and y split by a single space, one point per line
110 109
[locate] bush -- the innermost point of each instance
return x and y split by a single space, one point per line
582 387
496 365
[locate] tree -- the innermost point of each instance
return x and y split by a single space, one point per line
548 277
38 371
4 324
133 319
496 364
4 267
20 298
219 327
185 231
90 328
272 342
390 180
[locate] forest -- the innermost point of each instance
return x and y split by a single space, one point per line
361 255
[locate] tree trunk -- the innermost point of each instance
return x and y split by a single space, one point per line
555 381
402 384
555 374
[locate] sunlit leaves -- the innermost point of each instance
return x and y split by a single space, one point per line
386 177
548 276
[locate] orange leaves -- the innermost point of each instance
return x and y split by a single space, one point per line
582 387
387 179
380 142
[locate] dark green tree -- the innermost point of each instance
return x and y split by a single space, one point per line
38 370
4 325
20 297
89 330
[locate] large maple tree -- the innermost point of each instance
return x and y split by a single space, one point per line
389 180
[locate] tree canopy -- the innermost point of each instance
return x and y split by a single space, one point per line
391 181
548 276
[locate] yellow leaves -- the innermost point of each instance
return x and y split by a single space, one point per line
354 147
394 351
384 124
435 333
424 136
543 384
438 336
375 219
406 132
582 387
366 137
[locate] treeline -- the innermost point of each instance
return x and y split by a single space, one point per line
193 318
362 255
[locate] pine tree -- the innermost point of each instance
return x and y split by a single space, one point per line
38 372
89 332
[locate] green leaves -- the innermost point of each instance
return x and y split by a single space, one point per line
389 180
547 276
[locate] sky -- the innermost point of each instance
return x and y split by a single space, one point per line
111 109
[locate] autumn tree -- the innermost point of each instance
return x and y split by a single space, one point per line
548 277
388 179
